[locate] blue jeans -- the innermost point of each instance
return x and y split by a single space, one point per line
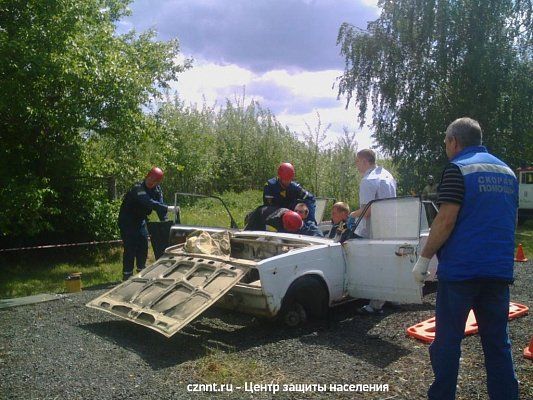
490 302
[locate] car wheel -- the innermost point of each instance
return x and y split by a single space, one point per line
307 297
294 315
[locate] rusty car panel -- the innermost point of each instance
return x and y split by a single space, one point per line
172 292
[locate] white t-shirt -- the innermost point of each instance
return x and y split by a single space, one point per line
377 183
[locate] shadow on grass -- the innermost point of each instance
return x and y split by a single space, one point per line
228 331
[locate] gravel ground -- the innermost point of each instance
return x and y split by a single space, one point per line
63 350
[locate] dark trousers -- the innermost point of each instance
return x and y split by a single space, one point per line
490 302
135 248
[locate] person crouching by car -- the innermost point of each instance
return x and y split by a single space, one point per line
273 219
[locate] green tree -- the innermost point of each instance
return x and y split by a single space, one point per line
189 155
423 63
204 149
67 78
250 145
338 163
315 141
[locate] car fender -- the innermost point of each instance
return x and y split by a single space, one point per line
325 262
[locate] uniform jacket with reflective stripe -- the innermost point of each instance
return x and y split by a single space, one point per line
137 204
482 243
275 195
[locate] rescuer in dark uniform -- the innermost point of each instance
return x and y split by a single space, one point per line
282 191
136 205
430 191
273 219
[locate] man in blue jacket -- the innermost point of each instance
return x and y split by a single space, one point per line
283 191
137 204
473 236
309 227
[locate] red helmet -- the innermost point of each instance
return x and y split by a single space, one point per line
155 174
292 222
286 171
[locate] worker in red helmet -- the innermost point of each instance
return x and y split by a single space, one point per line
154 177
283 191
137 204
273 219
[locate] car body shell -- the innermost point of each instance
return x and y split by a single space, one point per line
262 267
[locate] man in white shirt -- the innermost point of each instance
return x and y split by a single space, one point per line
376 183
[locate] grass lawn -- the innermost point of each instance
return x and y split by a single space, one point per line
220 366
524 235
45 270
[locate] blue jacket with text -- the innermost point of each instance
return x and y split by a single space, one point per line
481 244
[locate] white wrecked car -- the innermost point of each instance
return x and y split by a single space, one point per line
278 274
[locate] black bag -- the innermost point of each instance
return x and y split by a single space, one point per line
159 236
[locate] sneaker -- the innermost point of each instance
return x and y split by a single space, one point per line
367 310
126 275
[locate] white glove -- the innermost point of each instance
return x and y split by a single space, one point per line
420 270
171 209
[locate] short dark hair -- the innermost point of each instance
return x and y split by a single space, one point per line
368 155
466 131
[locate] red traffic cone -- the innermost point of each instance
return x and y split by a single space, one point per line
528 351
520 256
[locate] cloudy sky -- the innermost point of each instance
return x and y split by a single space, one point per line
281 53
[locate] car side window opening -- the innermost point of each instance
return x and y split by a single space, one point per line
396 218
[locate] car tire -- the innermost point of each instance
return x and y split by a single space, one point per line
307 297
294 315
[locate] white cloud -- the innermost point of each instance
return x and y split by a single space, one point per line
294 97
280 53
261 35
308 84
371 3
210 81
338 117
